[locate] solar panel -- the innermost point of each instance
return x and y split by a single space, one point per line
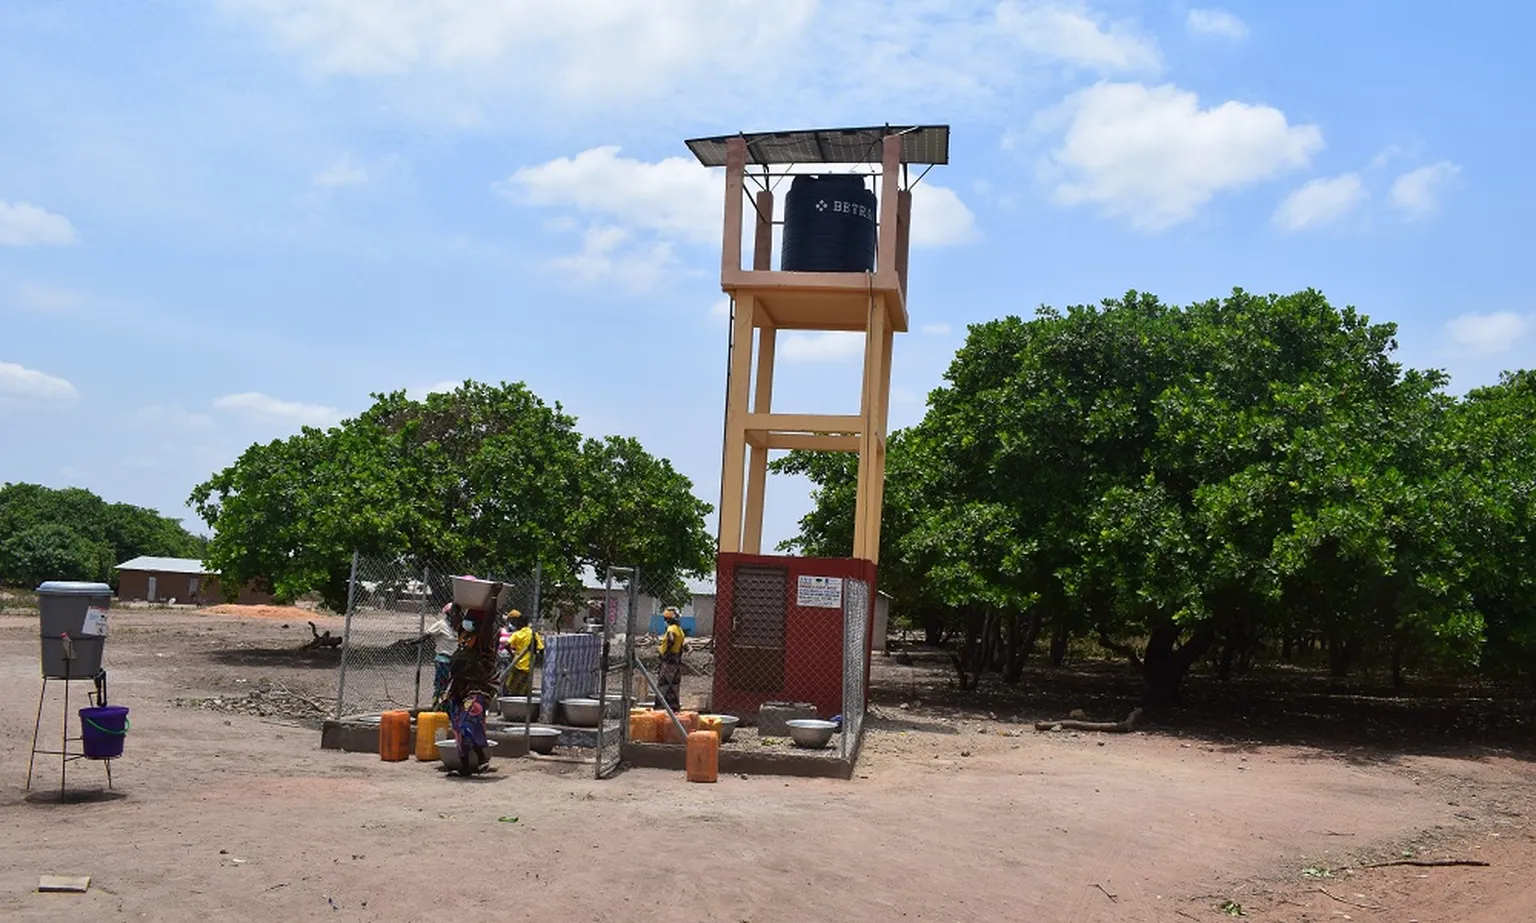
920 144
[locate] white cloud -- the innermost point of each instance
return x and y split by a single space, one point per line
610 255
675 196
1319 202
1417 192
939 218
21 386
721 309
442 387
700 62
1068 32
24 225
826 346
257 406
1153 156
1488 334
1386 155
1216 22
936 330
345 172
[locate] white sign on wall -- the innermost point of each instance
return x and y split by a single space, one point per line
819 592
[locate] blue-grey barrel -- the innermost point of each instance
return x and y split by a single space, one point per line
829 225
79 610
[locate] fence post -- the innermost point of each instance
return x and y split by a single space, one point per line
346 638
629 646
421 630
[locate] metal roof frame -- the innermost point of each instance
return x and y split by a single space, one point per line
920 144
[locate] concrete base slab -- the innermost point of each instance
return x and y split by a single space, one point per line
772 715
737 762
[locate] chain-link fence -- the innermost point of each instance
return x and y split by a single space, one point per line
856 621
767 645
389 648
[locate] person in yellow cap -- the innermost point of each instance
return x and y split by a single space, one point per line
669 679
523 646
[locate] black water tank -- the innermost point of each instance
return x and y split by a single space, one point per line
829 225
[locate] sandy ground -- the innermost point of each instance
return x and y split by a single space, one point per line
953 816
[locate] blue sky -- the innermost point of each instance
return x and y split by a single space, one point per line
222 220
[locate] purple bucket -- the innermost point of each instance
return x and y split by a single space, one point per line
102 731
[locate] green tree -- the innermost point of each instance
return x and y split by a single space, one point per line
115 531
53 552
1496 444
1172 481
488 477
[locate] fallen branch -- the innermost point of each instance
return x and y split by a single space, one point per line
1427 863
326 640
1112 898
1350 903
1113 727
1124 650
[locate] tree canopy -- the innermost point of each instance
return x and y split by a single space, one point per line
1175 482
489 478
72 534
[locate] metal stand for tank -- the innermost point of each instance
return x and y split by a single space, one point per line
97 697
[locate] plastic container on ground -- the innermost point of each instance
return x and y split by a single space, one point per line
703 756
670 734
725 725
80 611
430 726
102 731
395 735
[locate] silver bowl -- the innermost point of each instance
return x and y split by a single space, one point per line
727 725
543 739
448 752
516 707
811 733
582 713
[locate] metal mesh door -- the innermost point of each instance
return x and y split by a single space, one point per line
614 669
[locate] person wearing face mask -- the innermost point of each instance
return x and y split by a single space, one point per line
445 636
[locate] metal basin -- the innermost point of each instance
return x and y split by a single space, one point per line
811 733
517 707
543 739
582 713
614 707
448 752
727 725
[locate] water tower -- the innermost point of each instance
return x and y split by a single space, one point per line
846 228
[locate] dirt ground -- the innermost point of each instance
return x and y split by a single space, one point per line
958 812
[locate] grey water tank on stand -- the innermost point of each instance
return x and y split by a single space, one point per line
80 611
829 225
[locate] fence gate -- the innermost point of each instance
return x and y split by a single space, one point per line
616 668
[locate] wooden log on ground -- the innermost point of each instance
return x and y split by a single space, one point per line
1111 727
